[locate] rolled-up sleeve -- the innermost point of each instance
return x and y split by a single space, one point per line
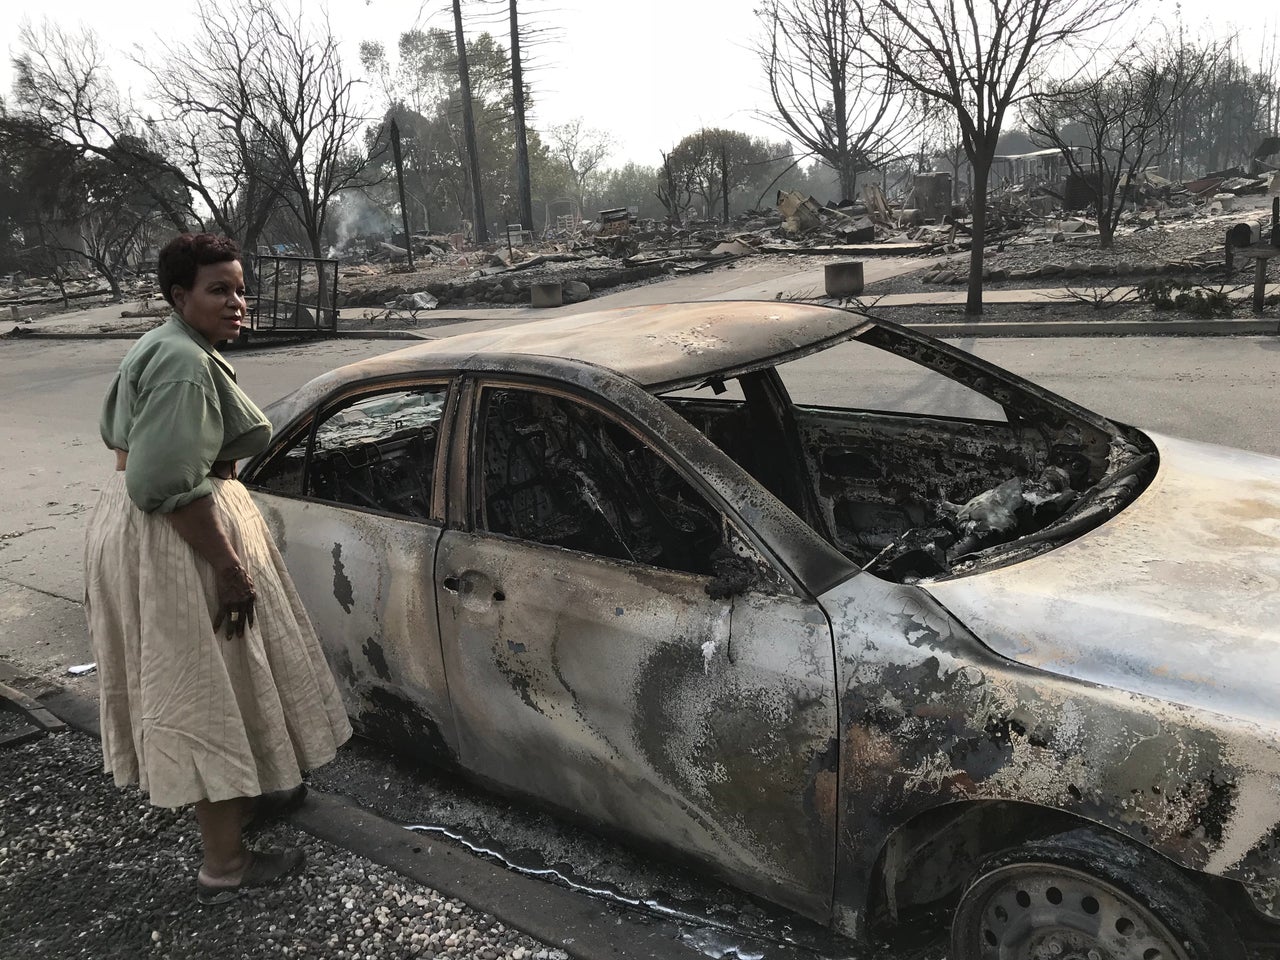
173 441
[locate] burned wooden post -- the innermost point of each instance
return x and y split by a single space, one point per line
404 208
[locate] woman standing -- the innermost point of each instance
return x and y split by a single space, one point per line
178 554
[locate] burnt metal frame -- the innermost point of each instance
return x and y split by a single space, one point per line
266 313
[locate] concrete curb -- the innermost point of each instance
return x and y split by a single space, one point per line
1097 328
582 926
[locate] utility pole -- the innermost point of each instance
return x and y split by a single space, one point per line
404 207
469 128
524 188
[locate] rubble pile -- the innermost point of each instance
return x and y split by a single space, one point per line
1038 226
80 285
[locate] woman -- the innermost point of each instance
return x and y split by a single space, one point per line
176 554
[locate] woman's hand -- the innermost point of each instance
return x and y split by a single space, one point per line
198 524
235 600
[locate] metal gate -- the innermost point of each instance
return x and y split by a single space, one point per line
295 295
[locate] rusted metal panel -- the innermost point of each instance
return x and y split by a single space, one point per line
626 695
367 582
931 717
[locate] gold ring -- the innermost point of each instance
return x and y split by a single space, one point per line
235 616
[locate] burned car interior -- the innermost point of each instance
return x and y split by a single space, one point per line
378 453
912 497
558 472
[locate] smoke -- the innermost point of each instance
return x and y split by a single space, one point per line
355 215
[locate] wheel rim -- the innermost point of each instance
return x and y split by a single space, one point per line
1040 911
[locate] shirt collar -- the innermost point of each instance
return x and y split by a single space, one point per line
178 323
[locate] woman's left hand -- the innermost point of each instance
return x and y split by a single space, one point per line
236 597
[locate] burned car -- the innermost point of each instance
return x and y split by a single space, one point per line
1004 658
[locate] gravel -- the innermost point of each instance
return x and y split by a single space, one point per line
88 870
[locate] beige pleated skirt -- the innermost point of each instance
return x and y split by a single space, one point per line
186 713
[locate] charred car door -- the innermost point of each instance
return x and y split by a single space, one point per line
617 648
351 497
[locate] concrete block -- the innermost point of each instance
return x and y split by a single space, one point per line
843 279
546 294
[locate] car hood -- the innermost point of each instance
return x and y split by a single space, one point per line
1177 596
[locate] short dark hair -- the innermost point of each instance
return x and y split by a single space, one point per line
183 256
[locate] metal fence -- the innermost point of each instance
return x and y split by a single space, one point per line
294 295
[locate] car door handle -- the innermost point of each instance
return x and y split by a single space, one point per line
463 585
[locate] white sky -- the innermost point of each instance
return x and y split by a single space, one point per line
646 71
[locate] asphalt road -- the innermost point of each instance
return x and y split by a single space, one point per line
1221 390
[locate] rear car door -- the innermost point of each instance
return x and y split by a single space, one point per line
352 498
616 648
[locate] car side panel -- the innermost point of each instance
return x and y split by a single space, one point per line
367 582
629 697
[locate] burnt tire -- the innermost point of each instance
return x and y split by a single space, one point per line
1085 895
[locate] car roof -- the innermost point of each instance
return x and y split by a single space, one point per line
662 347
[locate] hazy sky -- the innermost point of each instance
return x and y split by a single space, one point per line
646 71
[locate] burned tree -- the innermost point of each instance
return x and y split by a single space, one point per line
64 91
580 148
1111 126
480 229
255 115
208 124
714 163
826 93
675 187
66 205
975 56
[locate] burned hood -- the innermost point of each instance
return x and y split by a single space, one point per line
1177 596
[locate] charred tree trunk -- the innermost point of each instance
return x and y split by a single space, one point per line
469 129
524 187
981 176
848 180
404 207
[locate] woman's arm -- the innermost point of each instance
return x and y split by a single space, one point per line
198 524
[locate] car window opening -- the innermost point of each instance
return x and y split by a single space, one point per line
560 473
376 452
913 496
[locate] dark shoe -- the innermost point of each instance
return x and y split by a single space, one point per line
265 867
270 807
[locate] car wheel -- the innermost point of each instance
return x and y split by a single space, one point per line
1087 896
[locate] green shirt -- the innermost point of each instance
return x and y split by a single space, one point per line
174 405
